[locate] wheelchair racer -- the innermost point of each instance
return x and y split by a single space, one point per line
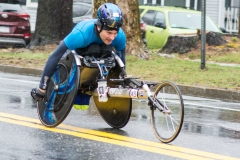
106 30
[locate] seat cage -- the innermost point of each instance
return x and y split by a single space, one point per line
76 74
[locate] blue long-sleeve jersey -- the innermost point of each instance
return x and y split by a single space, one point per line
82 35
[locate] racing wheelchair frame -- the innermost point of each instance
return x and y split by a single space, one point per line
106 80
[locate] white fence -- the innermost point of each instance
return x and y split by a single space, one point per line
231 21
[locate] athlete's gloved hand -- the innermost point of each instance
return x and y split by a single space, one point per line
37 94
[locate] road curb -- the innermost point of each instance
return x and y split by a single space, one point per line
186 90
212 93
21 70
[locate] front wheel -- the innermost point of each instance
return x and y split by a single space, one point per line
167 117
61 93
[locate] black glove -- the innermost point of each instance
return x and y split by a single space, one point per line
37 94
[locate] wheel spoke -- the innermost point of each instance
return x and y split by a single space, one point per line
167 120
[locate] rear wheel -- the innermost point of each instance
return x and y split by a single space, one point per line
167 120
116 111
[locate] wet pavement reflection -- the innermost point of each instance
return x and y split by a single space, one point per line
201 120
209 125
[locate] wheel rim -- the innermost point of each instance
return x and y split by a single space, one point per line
167 122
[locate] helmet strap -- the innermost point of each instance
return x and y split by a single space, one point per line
97 31
100 24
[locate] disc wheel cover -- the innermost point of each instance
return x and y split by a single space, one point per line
61 93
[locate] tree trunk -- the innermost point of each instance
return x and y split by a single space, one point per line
54 22
215 39
180 44
184 43
131 25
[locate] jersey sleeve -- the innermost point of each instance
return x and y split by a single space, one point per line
74 40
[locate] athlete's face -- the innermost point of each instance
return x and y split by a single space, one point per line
108 36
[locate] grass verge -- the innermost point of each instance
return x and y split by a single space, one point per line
184 72
158 69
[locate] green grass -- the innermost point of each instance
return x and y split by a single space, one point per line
227 58
24 55
23 58
156 69
184 72
234 39
230 57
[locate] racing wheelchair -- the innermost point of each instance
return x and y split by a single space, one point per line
105 79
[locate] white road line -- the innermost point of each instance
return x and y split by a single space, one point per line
193 104
18 80
204 106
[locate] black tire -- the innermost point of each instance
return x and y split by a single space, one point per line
167 121
61 93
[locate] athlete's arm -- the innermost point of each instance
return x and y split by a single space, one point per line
51 64
122 55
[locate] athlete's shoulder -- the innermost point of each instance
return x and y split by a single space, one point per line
86 24
81 35
121 32
121 35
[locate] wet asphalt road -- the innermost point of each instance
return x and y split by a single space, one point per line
211 130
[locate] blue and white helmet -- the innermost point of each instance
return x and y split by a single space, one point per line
110 15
